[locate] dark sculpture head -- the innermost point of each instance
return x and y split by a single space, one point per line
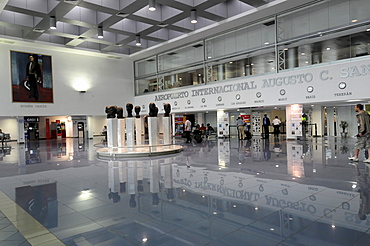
111 111
120 113
129 108
137 111
153 110
167 109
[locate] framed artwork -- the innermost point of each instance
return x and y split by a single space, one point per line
32 80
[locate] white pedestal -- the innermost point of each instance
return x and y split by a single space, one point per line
121 132
112 133
153 131
130 124
138 131
167 136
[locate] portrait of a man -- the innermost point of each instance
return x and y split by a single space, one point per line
31 78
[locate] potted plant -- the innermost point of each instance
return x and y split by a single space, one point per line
344 125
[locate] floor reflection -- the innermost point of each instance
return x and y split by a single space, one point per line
218 192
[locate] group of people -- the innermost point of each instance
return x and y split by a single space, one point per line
198 132
242 134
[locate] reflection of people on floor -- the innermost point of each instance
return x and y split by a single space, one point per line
33 75
241 153
363 180
277 147
265 126
266 149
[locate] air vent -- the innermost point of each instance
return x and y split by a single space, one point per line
118 44
172 53
123 15
197 45
38 30
269 23
162 25
81 38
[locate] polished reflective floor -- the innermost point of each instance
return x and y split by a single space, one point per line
218 192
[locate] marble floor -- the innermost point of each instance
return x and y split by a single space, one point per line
218 192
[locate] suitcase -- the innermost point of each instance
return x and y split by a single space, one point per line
248 135
198 138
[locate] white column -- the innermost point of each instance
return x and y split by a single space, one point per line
221 72
121 132
167 135
112 133
153 131
139 126
130 131
90 127
318 118
20 122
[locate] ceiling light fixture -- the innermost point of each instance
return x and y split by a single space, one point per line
193 16
151 5
100 32
138 40
53 22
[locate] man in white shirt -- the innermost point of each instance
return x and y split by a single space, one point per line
187 130
276 124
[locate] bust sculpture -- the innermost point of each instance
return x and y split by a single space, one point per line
167 109
120 113
137 111
111 111
129 108
153 110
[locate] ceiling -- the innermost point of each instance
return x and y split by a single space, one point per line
77 21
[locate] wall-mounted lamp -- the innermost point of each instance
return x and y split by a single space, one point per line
138 40
100 32
151 5
53 22
193 16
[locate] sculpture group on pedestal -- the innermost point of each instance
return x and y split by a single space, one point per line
116 131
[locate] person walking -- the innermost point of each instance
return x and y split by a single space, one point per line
363 136
188 131
276 124
265 125
240 124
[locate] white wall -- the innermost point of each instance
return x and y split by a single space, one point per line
108 81
9 125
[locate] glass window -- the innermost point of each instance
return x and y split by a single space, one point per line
146 67
181 57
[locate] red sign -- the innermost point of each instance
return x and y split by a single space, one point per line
246 118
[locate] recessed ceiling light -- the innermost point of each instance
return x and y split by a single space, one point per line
328 48
303 53
286 49
267 43
354 20
368 30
